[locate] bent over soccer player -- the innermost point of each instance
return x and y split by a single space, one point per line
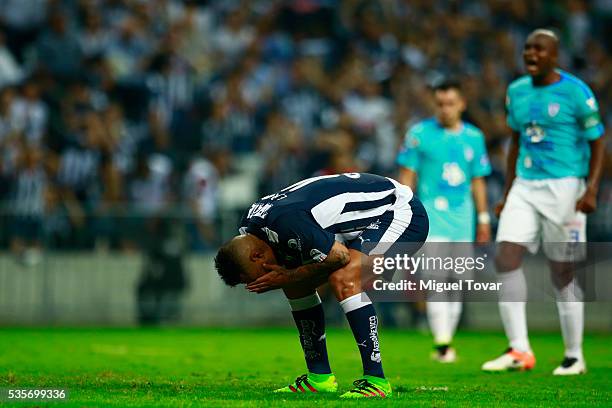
311 233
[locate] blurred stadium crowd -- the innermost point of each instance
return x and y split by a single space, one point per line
115 110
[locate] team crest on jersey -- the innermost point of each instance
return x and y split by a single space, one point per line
468 152
294 244
553 109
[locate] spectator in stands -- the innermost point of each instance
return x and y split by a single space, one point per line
201 193
11 71
23 20
154 82
29 114
30 182
58 48
10 138
282 151
163 278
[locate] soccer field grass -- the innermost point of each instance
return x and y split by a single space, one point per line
226 367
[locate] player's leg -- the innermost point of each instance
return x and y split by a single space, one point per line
513 238
443 308
570 305
512 304
407 224
455 298
443 315
565 247
513 294
346 285
307 312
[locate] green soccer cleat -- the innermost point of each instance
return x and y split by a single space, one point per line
369 387
312 382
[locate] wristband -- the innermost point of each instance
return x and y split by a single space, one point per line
484 218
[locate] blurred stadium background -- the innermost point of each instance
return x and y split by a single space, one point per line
133 134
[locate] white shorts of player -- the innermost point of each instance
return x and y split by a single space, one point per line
545 210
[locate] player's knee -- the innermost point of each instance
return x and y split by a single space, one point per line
508 258
506 263
561 273
344 283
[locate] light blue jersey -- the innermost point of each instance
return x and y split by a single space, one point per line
445 163
555 123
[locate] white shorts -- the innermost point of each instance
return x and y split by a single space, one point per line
545 210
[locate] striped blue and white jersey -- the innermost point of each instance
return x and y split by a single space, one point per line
302 221
28 195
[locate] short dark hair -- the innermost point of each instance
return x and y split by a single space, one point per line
447 84
228 267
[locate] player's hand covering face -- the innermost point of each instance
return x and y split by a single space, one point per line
276 278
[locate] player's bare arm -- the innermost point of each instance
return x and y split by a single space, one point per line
479 191
279 277
513 153
408 177
588 202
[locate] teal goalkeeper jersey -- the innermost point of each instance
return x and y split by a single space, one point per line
445 163
555 123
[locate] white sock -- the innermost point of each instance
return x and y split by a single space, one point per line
438 316
571 316
355 302
304 303
454 309
513 297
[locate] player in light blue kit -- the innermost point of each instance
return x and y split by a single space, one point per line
556 146
448 158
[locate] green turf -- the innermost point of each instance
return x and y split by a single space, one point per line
222 367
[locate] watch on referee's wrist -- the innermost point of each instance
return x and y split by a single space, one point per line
484 218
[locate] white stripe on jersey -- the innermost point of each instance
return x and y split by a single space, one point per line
401 221
329 212
403 193
344 237
306 182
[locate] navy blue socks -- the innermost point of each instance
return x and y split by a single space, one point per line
310 321
362 318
